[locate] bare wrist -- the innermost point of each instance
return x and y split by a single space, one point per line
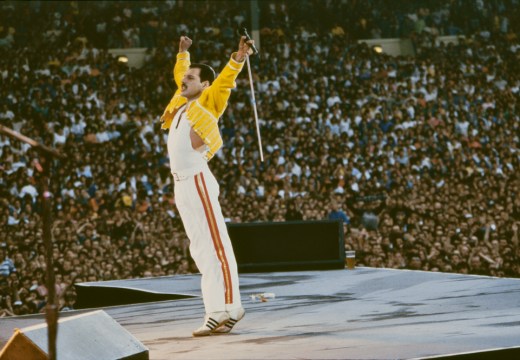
239 57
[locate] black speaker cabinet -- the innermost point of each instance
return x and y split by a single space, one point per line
288 246
90 336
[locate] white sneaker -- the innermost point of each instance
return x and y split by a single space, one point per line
211 322
234 317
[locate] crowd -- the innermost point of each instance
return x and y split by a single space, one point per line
148 24
417 156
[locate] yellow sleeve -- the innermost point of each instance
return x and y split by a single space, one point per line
181 66
217 95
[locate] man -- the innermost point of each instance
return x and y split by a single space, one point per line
337 214
6 264
194 138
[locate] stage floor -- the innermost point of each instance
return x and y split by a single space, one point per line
338 314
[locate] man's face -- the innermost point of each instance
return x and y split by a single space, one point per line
192 87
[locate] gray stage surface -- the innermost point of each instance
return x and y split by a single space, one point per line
339 314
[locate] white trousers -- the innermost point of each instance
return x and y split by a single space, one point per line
196 197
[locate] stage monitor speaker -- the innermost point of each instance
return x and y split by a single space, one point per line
90 336
288 246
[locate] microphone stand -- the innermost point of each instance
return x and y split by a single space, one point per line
47 154
255 111
243 32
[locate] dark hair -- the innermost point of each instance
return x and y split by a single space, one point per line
206 72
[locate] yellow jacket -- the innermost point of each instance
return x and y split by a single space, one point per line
203 113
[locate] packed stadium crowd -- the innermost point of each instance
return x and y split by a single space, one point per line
417 156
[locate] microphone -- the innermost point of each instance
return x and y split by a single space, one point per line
243 32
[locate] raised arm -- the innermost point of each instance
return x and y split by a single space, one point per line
181 66
183 61
219 92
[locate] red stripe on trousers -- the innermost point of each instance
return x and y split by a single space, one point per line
215 235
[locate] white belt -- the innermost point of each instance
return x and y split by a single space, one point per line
184 174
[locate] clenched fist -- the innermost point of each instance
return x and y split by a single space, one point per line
184 43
